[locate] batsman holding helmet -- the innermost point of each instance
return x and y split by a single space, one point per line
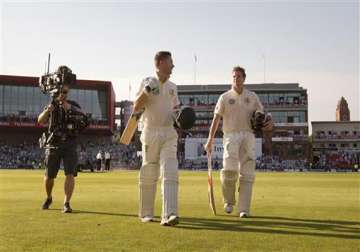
158 98
236 107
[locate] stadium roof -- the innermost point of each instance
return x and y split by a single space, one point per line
34 81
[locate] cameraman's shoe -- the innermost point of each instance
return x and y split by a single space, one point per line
67 208
46 204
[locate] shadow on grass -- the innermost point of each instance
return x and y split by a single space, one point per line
329 222
96 212
104 213
277 225
261 224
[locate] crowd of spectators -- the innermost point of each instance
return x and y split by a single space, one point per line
30 156
338 160
341 160
268 163
122 156
275 163
13 118
24 155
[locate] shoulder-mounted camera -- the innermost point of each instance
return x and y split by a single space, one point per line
52 83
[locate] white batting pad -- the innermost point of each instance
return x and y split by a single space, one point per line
228 185
245 192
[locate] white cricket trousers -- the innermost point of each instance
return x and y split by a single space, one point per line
239 157
159 148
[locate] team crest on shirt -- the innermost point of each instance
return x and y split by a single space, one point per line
247 100
231 101
171 92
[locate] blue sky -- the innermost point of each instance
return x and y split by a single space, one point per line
313 43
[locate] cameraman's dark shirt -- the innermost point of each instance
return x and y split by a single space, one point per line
59 125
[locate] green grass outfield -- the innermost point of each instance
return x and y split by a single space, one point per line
291 212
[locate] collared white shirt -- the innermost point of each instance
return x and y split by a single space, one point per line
159 107
237 109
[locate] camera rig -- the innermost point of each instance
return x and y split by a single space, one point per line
53 83
62 124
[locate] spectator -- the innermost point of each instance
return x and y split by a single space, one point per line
107 161
98 159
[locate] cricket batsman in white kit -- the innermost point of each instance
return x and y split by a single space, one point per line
158 98
236 107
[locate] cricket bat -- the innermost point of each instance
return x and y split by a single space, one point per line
130 128
211 186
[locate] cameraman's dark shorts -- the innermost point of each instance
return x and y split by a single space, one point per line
66 152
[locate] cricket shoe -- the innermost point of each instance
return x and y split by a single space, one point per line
147 219
171 221
228 208
67 208
244 215
46 204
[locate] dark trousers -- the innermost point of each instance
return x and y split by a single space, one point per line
107 164
98 164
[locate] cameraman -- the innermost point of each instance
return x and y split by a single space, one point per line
62 145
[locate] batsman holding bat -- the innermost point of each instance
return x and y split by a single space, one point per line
237 107
158 98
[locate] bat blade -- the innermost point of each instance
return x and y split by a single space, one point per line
130 129
211 187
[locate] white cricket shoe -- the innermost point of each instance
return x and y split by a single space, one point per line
171 221
243 215
228 208
146 219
